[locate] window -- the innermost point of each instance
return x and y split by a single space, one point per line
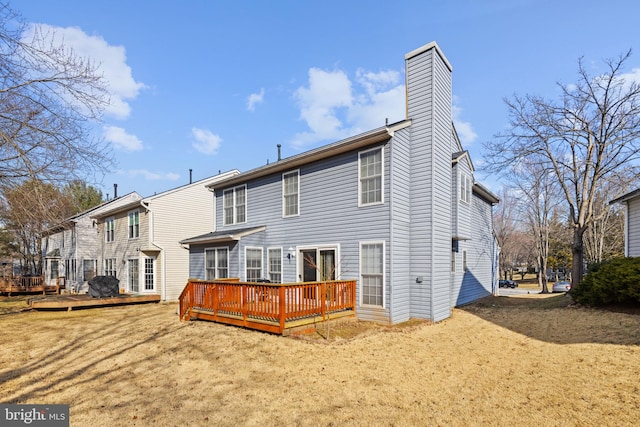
54 269
290 193
234 203
464 260
274 262
465 188
372 272
216 263
454 250
134 275
110 227
370 177
66 268
88 269
71 274
253 264
110 267
134 224
148 274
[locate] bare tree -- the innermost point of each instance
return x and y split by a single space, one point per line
540 196
505 227
587 136
49 100
28 209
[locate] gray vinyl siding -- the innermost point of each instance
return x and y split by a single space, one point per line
420 105
329 216
400 204
633 227
429 107
442 191
476 281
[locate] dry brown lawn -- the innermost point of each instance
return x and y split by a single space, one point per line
502 361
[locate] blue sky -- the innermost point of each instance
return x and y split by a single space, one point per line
216 85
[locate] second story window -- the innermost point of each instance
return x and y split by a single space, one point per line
234 202
370 177
110 229
290 193
465 188
134 224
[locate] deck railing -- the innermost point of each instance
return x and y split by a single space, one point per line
271 307
22 284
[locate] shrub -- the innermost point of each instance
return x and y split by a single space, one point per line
616 281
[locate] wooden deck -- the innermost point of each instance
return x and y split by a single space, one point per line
270 307
28 285
69 302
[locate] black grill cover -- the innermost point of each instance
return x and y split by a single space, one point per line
104 286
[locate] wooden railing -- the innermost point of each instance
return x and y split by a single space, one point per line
22 284
270 307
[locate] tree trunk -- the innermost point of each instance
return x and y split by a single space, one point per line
577 252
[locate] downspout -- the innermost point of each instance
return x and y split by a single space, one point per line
163 270
626 229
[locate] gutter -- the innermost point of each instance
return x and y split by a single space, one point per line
163 270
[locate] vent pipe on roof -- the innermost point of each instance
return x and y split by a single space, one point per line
115 191
279 146
190 176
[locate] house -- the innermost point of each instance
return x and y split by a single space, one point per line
396 208
631 202
70 249
138 242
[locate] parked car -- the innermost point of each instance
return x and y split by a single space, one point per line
507 284
561 287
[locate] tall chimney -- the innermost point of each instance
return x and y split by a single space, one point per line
190 176
115 191
279 145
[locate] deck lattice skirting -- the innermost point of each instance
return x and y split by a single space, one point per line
269 307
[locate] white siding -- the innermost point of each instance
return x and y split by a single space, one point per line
633 227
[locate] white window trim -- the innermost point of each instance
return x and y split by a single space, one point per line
465 195
235 208
284 215
129 224
143 272
384 273
381 202
129 287
261 261
216 266
318 248
279 248
111 219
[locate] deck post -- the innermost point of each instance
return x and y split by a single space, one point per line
282 307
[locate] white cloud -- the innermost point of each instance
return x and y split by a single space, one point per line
152 176
333 107
206 141
255 98
111 62
465 130
122 140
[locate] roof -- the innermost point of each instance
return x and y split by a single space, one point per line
456 157
140 201
371 137
223 236
626 197
73 219
483 192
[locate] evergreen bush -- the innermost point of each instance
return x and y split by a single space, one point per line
616 281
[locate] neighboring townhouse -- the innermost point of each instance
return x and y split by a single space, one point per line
139 242
70 249
631 202
396 208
